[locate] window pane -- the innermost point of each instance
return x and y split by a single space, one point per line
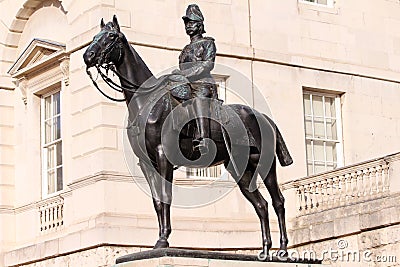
309 150
47 107
59 179
318 108
221 88
309 130
319 167
56 103
330 107
330 166
319 153
310 169
331 129
50 182
57 128
331 152
307 105
50 157
59 153
47 131
319 131
323 2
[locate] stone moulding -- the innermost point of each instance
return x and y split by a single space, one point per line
46 61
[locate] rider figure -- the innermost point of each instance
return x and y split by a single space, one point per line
195 63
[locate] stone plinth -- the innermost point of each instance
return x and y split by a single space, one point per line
183 257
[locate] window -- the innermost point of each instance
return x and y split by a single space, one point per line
319 2
220 82
216 171
51 143
322 118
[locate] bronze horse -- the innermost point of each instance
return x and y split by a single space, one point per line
111 50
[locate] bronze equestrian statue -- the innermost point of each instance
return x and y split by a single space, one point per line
150 101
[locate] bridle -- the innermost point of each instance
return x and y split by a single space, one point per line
103 65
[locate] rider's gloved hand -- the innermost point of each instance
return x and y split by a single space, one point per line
177 71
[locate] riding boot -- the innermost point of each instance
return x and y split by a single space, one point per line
202 111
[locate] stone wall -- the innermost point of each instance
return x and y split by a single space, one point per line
283 47
102 256
366 234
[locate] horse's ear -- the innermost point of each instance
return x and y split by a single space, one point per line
116 24
102 24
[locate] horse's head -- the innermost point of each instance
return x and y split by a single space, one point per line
106 47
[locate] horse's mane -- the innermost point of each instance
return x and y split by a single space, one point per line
142 67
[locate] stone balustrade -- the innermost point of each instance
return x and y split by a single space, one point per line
51 214
344 186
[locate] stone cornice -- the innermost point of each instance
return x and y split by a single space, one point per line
102 176
6 209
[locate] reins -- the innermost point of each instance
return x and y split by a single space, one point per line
98 88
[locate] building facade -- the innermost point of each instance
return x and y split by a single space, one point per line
329 71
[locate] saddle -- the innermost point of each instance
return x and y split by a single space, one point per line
179 91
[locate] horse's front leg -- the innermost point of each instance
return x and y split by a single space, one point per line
163 197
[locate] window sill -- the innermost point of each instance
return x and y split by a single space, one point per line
53 196
303 5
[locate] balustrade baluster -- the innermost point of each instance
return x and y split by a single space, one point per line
335 191
324 197
41 219
312 196
373 182
379 180
359 191
385 178
306 198
330 192
366 185
342 190
348 188
353 186
300 194
318 195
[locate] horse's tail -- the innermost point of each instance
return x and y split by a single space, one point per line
281 149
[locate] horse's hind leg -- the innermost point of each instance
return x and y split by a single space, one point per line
259 204
278 202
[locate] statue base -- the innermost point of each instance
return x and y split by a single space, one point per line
172 257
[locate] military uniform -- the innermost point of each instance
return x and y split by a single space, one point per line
196 62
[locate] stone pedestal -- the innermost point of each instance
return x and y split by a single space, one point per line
182 257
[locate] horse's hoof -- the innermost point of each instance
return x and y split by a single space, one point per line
282 253
161 243
263 255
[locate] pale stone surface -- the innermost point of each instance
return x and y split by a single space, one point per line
291 51
370 227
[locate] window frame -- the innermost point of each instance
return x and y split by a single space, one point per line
339 130
329 3
44 146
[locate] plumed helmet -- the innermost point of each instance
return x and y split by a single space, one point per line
193 13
